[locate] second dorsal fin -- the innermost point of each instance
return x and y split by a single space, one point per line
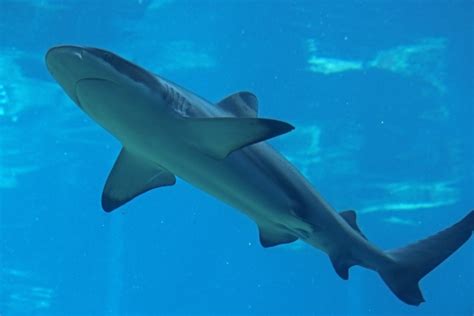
351 218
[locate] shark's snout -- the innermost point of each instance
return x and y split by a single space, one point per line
64 51
63 58
66 65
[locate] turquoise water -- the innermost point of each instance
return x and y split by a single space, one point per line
381 95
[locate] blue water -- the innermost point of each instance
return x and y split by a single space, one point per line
381 94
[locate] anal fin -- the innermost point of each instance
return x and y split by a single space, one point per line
341 264
342 260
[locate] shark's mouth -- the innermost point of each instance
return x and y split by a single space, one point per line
77 98
81 93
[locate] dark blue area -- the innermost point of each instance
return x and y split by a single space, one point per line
177 250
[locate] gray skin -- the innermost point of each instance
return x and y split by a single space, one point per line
167 131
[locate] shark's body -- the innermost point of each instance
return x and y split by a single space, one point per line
167 131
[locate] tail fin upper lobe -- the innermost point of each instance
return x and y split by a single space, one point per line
413 262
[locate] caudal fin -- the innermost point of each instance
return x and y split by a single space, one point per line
413 262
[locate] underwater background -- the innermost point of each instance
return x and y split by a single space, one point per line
382 97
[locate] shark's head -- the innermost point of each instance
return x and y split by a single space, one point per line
71 64
106 86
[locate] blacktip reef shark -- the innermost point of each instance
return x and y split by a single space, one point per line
168 132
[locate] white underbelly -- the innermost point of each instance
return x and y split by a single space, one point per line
235 181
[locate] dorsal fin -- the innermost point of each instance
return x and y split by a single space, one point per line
351 218
240 104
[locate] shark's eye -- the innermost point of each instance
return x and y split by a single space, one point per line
104 55
109 57
124 67
115 61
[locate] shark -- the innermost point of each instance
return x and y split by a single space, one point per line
168 131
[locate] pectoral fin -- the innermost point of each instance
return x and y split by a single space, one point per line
130 177
218 137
